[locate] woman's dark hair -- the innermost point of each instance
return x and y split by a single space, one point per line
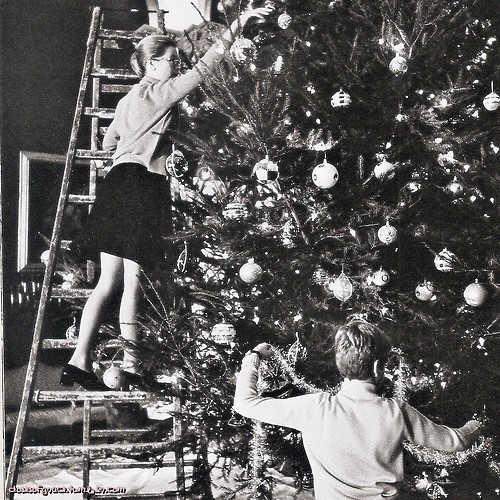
148 48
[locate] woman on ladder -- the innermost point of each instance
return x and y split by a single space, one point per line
129 215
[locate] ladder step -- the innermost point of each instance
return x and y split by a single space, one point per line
122 433
106 463
71 344
81 199
96 396
114 73
119 35
70 293
116 88
107 113
93 154
94 450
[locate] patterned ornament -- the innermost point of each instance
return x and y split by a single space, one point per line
425 291
289 234
243 50
476 294
444 259
341 287
182 259
325 175
340 99
381 277
176 164
436 491
266 170
113 377
235 211
250 272
387 234
72 331
278 65
284 20
455 188
297 352
492 101
384 169
398 65
223 333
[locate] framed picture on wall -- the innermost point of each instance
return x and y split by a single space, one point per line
40 176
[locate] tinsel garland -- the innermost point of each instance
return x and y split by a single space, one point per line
401 387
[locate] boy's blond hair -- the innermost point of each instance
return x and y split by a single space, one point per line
357 346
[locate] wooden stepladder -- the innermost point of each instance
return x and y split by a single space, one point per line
97 84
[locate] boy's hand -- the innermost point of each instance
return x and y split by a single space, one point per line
261 12
264 349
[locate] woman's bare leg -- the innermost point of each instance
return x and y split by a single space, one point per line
110 280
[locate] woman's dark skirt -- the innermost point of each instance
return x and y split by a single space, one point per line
130 218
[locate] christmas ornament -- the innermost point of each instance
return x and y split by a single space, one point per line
325 175
492 101
476 294
278 65
289 233
436 491
235 211
176 164
243 50
250 272
72 331
398 65
381 277
44 257
424 291
340 99
387 234
284 20
321 277
113 377
341 287
413 186
444 259
384 169
266 170
297 352
182 259
223 333
455 187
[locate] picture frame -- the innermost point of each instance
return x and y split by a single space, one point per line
40 177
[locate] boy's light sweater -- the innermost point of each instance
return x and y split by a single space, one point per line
353 439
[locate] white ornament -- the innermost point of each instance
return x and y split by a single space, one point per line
266 170
398 65
278 65
284 21
176 164
223 333
72 331
387 234
444 259
425 291
384 169
235 211
243 50
250 272
325 175
341 287
476 294
340 99
113 377
455 187
44 258
492 101
381 277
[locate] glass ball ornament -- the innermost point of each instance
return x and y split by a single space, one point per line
325 175
398 65
266 170
114 377
414 186
250 272
455 187
381 277
492 101
341 287
384 169
443 261
72 331
340 99
387 234
235 211
223 333
476 294
44 257
176 164
424 291
243 50
284 20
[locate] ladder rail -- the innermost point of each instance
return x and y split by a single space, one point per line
15 456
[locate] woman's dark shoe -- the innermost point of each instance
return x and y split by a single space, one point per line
88 380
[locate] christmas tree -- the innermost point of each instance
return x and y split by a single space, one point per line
342 163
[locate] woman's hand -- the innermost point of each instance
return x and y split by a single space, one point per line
261 12
264 349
